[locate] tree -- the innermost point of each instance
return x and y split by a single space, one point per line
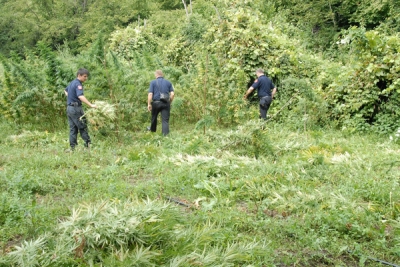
108 15
324 19
19 26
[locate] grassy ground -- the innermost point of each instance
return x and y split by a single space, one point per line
248 196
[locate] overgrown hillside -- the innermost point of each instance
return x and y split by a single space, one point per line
209 52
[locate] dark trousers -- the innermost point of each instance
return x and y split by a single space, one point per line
265 103
163 108
74 113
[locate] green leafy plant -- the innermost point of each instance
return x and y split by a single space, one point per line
366 95
103 116
28 253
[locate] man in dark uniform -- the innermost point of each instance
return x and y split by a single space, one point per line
75 97
265 91
159 99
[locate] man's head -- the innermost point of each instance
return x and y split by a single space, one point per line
82 74
259 72
159 73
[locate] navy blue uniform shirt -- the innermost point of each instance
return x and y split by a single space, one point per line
264 86
160 85
74 90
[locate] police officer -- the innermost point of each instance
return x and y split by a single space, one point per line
265 91
159 99
75 97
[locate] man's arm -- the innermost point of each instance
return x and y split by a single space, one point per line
171 96
273 92
149 98
66 92
84 100
248 92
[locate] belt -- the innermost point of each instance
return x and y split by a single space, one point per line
74 104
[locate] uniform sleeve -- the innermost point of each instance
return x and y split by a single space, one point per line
256 84
171 88
151 88
78 89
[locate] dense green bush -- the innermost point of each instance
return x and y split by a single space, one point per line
32 88
367 94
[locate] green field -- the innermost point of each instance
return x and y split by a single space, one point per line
248 196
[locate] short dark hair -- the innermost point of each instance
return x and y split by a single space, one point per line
82 71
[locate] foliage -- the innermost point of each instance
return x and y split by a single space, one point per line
368 92
28 95
303 106
238 43
106 16
76 23
169 4
38 97
18 27
211 63
103 116
371 14
27 253
323 20
108 231
41 20
130 41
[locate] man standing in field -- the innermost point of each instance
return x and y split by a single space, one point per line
159 99
75 97
265 91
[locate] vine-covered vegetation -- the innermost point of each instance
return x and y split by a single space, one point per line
210 51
